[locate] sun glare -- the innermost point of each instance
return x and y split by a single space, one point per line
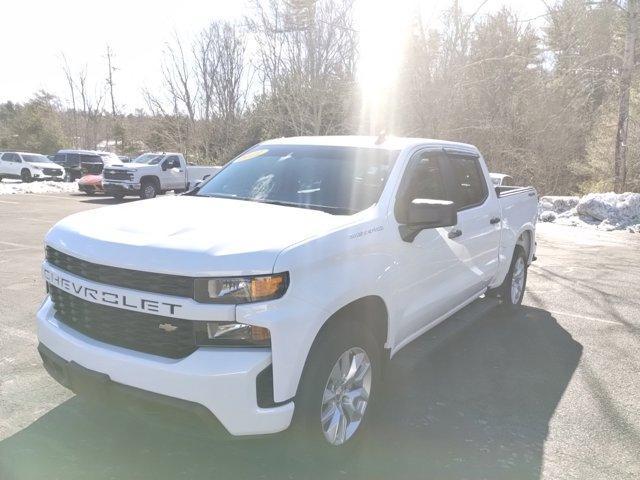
383 27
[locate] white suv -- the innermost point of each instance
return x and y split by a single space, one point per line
29 167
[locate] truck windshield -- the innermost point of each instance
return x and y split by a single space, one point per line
337 180
36 158
149 158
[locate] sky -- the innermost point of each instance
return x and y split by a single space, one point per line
36 34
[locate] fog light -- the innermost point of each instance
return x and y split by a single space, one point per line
231 334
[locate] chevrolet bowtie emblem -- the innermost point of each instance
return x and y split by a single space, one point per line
167 327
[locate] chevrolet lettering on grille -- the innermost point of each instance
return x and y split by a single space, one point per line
107 297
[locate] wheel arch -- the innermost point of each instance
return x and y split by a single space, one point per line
370 310
150 178
525 240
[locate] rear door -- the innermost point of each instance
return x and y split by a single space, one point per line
478 218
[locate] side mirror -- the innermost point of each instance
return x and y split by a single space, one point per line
423 214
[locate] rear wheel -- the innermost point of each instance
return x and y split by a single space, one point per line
511 291
25 176
117 196
333 405
149 189
90 190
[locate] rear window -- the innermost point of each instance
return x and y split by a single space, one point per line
471 189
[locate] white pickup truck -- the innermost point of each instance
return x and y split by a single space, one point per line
271 295
153 173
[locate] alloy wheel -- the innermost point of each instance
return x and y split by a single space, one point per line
517 280
346 396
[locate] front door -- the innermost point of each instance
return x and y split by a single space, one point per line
173 176
430 277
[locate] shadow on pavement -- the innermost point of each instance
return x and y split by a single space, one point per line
477 406
104 200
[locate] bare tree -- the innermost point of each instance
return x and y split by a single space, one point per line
626 72
110 70
72 90
307 52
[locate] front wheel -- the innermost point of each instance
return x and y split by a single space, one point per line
149 190
511 291
342 375
25 176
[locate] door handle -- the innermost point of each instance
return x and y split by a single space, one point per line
455 233
494 220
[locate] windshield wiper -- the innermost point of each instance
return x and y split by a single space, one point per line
309 206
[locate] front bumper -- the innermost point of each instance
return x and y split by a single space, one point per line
117 188
222 381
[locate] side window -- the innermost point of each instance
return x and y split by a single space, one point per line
11 157
171 161
73 159
423 179
471 188
90 158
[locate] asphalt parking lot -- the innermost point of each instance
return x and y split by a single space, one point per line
551 390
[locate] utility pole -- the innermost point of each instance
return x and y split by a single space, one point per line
626 74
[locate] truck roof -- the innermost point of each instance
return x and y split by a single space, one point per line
362 141
85 152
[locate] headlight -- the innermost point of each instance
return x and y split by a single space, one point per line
235 290
231 334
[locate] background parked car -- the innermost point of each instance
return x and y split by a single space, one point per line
72 161
28 167
91 167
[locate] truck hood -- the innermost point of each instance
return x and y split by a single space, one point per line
126 166
188 235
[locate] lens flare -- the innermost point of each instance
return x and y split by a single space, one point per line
384 26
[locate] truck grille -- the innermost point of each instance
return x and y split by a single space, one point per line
166 284
124 328
113 174
52 172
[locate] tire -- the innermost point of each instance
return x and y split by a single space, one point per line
507 292
149 189
118 196
323 376
25 176
67 176
91 191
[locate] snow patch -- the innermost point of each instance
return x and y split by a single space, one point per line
604 211
9 187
